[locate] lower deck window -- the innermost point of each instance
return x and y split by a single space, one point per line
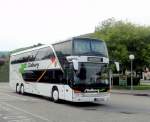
42 76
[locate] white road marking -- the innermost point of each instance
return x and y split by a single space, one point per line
12 96
19 109
16 97
9 115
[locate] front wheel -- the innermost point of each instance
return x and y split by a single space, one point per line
55 95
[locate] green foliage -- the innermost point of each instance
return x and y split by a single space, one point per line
124 38
4 54
4 72
4 66
138 87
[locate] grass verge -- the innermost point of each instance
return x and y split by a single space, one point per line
138 87
4 72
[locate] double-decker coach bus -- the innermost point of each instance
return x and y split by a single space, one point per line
74 70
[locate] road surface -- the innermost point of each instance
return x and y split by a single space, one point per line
31 108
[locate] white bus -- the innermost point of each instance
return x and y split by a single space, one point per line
74 70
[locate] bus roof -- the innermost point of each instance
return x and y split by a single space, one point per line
39 47
31 49
73 38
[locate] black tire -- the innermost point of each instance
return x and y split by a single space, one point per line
55 95
17 88
22 89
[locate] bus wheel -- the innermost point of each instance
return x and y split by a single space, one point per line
55 95
17 88
22 89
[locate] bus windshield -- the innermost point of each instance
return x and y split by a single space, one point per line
90 47
91 73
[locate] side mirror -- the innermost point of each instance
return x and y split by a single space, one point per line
75 64
117 66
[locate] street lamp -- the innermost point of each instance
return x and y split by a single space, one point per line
131 57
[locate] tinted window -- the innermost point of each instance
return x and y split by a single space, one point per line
44 53
90 47
64 48
31 55
35 76
41 54
82 47
24 57
92 73
50 76
99 47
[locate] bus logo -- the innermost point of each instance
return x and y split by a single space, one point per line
22 68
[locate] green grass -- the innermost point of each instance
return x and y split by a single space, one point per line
4 72
142 87
138 87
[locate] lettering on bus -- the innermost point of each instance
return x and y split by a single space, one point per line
33 65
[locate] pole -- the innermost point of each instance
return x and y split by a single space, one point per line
131 75
131 57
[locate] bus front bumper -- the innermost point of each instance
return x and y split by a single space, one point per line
79 97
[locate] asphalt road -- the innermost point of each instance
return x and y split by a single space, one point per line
31 108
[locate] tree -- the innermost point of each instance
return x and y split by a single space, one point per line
124 38
2 61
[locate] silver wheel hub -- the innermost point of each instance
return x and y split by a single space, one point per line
55 95
22 89
18 89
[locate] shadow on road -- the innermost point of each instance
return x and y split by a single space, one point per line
110 107
72 104
82 104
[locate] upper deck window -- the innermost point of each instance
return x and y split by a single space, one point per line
44 53
63 48
90 47
82 47
34 55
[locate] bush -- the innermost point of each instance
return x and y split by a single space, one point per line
4 72
116 81
136 81
2 62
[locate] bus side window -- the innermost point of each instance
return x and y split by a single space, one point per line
63 48
44 53
47 77
24 57
58 76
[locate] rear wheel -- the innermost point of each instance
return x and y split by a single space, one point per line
17 88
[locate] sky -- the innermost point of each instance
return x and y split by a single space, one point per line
28 22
